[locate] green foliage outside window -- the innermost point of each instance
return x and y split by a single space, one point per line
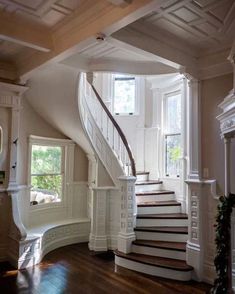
46 168
175 153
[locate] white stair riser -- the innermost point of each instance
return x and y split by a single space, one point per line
161 197
144 177
175 254
157 236
161 222
146 188
158 209
153 270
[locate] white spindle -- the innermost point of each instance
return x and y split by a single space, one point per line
124 159
113 129
102 121
119 147
107 130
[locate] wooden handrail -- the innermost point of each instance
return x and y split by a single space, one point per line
119 130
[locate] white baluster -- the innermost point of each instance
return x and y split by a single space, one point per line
113 137
124 160
119 147
107 131
102 121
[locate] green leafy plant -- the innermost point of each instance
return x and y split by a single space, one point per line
222 240
175 153
46 168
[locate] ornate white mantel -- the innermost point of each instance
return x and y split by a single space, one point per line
227 127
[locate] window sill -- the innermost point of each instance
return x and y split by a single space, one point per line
125 114
47 206
171 178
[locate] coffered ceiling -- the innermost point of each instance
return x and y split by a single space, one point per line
166 33
45 12
205 24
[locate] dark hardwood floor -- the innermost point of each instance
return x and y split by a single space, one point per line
73 269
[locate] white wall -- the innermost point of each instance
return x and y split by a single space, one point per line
33 124
213 92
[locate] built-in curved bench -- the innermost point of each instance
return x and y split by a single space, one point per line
45 238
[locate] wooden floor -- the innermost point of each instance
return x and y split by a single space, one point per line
73 269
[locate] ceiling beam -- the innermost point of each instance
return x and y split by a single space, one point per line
140 36
91 17
121 3
17 30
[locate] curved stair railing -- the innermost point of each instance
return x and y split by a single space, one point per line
92 105
114 209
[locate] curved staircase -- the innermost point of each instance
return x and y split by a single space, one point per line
161 233
157 244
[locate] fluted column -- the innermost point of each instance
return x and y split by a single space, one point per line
194 130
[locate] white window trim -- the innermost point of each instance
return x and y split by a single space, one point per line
68 147
137 96
176 89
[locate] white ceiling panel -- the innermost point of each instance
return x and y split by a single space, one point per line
185 14
201 23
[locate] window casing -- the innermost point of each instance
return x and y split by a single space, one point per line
50 168
124 95
172 134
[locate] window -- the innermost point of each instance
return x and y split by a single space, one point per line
124 101
172 134
50 167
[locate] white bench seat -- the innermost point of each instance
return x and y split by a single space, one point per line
45 238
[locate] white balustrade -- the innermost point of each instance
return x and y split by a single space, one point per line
115 205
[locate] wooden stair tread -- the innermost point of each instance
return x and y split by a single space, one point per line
163 262
163 216
148 182
159 203
178 246
142 173
170 230
154 192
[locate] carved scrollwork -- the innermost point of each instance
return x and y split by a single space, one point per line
227 124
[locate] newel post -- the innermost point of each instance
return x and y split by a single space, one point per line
127 213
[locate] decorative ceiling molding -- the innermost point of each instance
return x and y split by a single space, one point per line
19 31
203 24
43 12
83 24
167 54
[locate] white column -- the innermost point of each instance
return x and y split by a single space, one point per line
14 140
128 213
227 143
98 235
194 130
195 195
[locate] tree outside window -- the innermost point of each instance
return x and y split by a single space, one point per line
173 134
46 174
